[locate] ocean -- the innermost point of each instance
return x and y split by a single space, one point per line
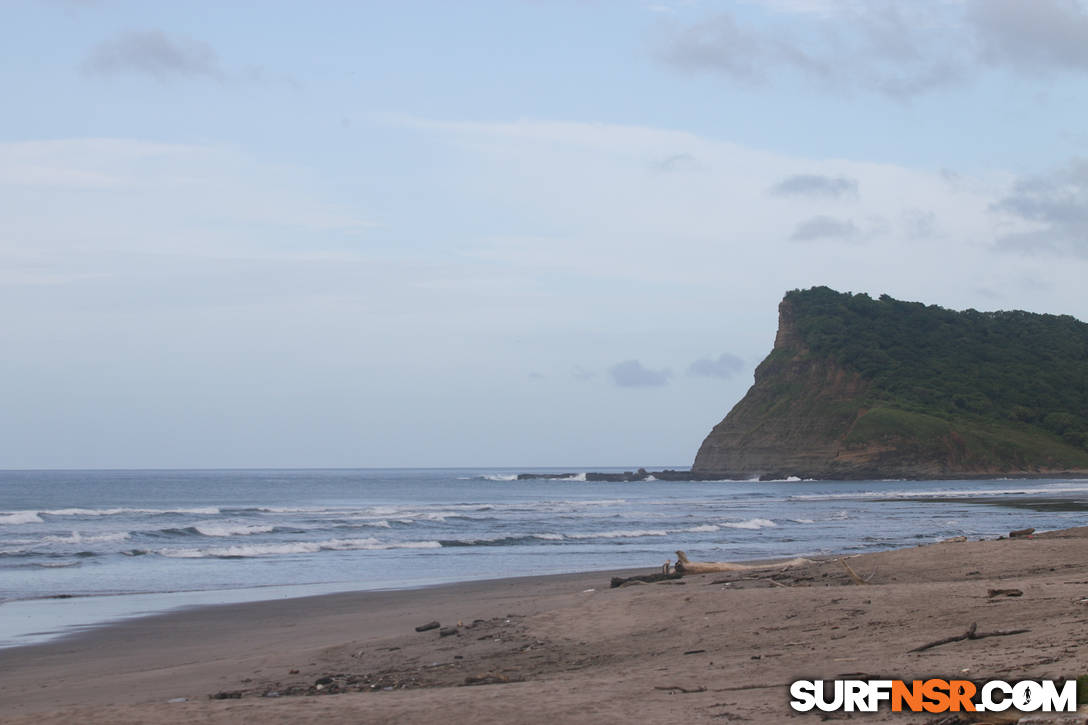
79 548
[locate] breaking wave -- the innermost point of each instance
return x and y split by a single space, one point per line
229 529
244 551
77 538
750 524
20 517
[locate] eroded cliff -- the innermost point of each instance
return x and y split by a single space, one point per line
905 402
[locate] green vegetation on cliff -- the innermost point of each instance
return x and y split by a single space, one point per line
878 388
986 390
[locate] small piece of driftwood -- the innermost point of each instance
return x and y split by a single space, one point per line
1005 593
1021 532
684 690
971 633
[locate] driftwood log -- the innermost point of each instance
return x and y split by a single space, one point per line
1021 532
686 566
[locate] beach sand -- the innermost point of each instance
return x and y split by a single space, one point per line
569 649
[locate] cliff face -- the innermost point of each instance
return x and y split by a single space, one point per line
813 415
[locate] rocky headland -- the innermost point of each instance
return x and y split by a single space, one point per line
862 388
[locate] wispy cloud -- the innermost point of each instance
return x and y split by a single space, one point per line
1039 36
1056 205
633 374
815 185
676 163
724 366
824 227
919 223
154 53
580 374
892 48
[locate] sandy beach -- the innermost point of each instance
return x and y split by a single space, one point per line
570 649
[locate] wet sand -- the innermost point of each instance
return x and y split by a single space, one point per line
569 649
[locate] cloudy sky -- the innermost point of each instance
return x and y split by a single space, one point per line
508 233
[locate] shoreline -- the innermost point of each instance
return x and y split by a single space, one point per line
567 648
116 609
130 606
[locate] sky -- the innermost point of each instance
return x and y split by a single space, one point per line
522 233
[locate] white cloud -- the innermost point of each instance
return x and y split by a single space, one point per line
609 215
119 194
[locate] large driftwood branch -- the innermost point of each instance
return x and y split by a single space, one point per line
686 566
971 633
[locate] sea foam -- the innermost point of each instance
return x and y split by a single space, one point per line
243 551
20 517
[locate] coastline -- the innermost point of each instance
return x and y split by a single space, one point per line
567 648
61 617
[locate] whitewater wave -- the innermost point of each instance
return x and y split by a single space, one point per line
77 538
502 540
749 524
290 510
20 517
433 512
200 511
232 529
243 551
611 534
370 523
